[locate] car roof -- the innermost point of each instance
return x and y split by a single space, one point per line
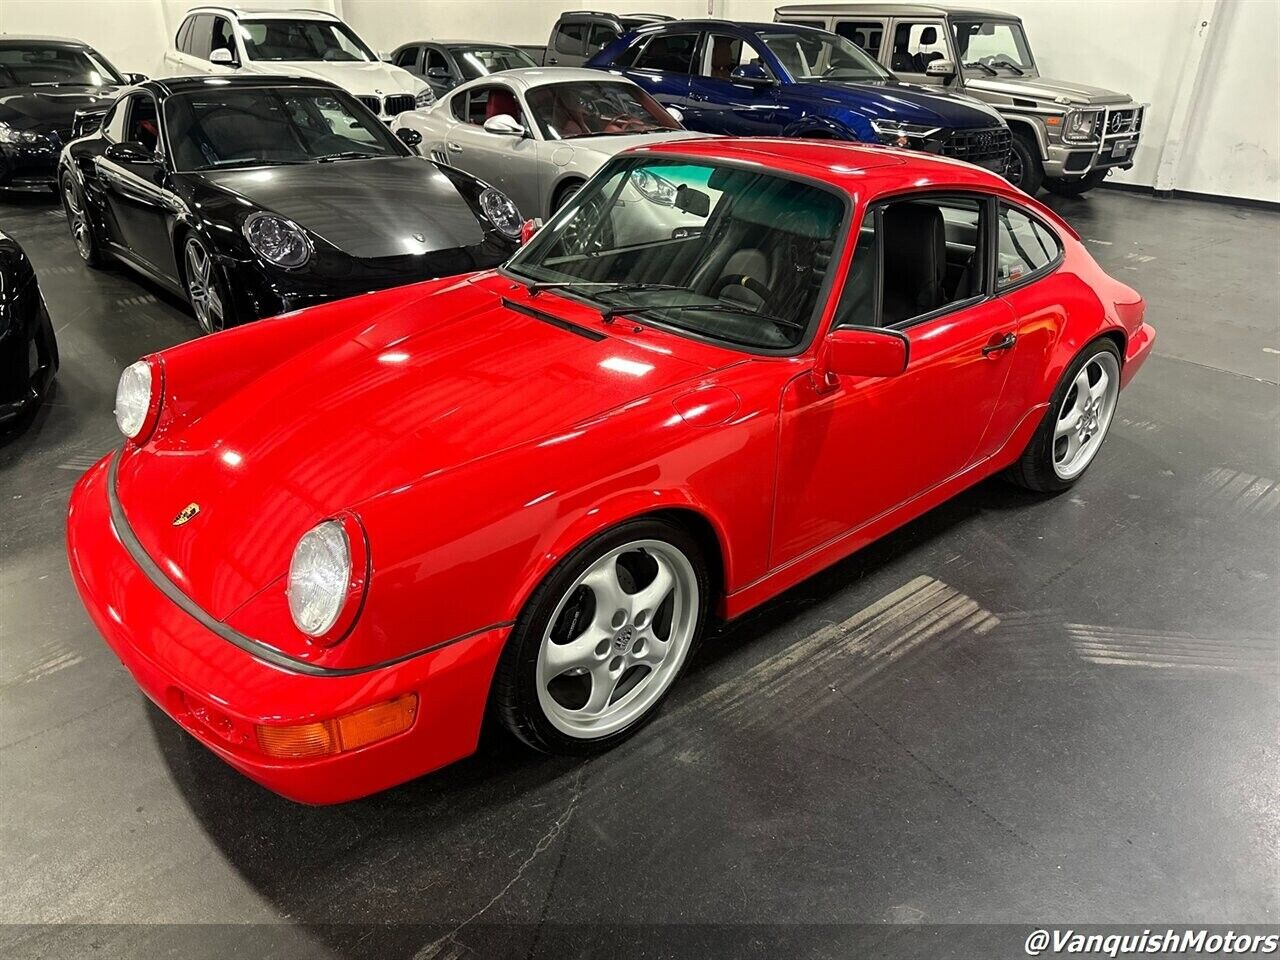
888 10
25 38
240 13
851 166
708 23
175 85
466 43
526 78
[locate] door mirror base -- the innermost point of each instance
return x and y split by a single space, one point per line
861 352
132 153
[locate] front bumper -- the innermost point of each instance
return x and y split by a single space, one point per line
1115 149
219 693
28 352
29 168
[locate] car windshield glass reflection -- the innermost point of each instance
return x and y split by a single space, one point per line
51 65
565 111
302 40
226 128
813 55
735 255
481 61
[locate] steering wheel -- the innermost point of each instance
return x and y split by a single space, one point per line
747 283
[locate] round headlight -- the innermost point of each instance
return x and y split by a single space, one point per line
277 240
133 398
319 578
502 213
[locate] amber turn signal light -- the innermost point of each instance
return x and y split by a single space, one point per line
348 732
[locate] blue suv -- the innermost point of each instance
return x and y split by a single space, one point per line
775 79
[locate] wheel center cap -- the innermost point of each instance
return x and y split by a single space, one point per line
622 639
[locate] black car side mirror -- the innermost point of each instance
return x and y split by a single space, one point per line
132 78
131 152
750 75
409 137
437 73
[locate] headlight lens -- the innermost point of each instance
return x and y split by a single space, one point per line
1080 125
319 578
502 213
424 99
655 188
133 398
277 240
11 134
901 134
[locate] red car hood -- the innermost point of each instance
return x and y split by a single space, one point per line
434 382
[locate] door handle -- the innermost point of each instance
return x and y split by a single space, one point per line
1004 344
552 62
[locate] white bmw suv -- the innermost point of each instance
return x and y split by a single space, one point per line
221 41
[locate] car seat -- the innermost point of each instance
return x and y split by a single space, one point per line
915 260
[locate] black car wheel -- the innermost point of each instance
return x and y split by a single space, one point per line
205 291
1024 170
73 204
1077 187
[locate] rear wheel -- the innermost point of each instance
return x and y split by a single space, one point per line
602 640
1025 171
73 204
1078 187
1076 423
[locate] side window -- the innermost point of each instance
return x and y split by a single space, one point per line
201 36
458 106
223 38
184 36
867 34
141 126
407 58
857 307
724 54
932 255
627 58
113 122
436 61
571 37
1025 245
916 45
602 34
672 52
489 101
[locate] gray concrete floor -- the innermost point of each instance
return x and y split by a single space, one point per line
1106 751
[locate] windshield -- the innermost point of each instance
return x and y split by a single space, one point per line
816 55
565 111
252 127
303 40
49 65
726 253
992 47
481 61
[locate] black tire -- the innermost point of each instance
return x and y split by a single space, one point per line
1025 171
564 195
1077 187
79 221
1034 470
214 311
514 701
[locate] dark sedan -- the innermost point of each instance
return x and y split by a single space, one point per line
43 82
28 351
446 63
253 196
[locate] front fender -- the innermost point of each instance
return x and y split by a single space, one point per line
816 125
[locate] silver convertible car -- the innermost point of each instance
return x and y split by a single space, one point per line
539 134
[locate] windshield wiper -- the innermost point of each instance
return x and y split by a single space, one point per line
982 66
1005 62
349 155
606 286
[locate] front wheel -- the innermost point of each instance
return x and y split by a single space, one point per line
1078 187
602 640
1024 171
205 291
1076 423
79 222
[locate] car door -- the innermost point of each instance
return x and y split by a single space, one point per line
136 195
568 47
190 52
862 447
470 147
720 104
867 33
663 65
913 45
439 70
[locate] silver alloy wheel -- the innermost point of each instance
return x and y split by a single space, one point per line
1085 415
617 639
202 287
78 221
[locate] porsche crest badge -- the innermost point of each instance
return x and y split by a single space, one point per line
186 513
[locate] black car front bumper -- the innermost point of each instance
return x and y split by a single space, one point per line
28 351
29 167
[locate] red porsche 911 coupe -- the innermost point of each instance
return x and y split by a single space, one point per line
334 542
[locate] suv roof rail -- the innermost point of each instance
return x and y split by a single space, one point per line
589 13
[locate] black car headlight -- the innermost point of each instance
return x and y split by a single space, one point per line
277 240
500 211
12 135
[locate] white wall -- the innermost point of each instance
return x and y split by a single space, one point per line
1231 145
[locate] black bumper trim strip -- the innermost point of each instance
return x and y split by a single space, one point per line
256 648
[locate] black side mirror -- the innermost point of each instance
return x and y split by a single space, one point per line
437 73
132 78
408 136
131 152
750 75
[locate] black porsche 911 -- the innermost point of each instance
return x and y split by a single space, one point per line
43 82
253 196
